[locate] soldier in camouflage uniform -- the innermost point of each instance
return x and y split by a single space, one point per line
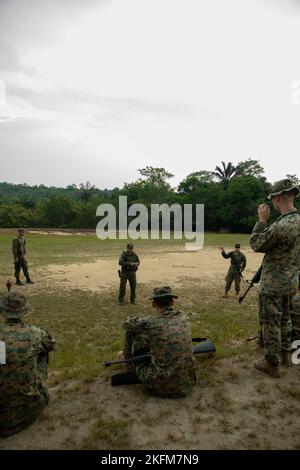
237 266
281 244
130 262
295 317
23 394
167 337
19 252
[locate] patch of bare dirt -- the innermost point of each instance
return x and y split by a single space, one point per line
204 266
233 406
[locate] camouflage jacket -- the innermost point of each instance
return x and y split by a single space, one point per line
19 247
296 305
281 244
22 378
171 371
126 259
238 260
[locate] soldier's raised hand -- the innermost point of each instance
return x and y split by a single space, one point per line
264 213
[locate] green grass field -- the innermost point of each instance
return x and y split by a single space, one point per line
87 325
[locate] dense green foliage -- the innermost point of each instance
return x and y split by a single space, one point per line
230 194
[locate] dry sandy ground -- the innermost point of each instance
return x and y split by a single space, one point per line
232 407
164 268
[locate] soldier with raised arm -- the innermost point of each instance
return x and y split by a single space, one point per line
238 263
280 242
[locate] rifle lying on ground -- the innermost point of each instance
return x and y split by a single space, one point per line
254 280
204 345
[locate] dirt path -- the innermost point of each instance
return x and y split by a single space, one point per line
157 268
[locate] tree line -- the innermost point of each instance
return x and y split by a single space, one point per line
230 193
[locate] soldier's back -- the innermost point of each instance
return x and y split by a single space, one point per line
172 372
22 392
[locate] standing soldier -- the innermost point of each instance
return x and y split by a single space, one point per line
23 394
19 252
237 266
165 336
280 242
130 262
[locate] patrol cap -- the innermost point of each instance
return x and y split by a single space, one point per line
14 304
283 186
237 245
130 245
162 293
20 230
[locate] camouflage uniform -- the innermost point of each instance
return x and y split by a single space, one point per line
19 252
295 317
167 337
237 266
128 273
23 394
281 244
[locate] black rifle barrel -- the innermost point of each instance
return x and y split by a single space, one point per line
254 280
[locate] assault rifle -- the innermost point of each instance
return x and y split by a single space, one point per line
254 280
204 345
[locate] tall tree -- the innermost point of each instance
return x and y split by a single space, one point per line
86 191
249 167
195 180
225 174
294 179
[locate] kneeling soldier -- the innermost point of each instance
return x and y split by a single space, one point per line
167 338
23 394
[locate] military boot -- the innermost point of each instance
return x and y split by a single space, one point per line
268 368
29 281
286 360
225 296
19 283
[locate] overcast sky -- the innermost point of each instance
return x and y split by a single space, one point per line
94 89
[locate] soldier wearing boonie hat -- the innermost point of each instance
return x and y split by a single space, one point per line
280 242
167 337
129 261
23 394
237 265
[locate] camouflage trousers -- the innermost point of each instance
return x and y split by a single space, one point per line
15 418
276 325
135 344
233 275
21 264
131 277
161 384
